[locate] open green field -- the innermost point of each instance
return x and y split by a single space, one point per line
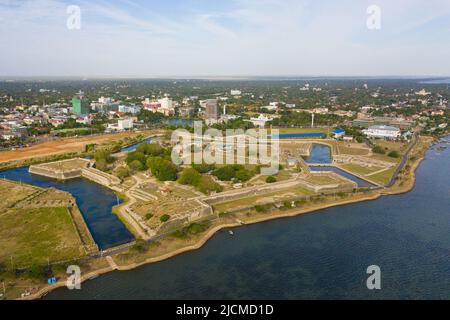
353 149
302 130
386 158
388 145
281 176
66 164
13 192
32 236
361 170
383 177
323 179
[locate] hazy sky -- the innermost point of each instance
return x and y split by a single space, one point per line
224 37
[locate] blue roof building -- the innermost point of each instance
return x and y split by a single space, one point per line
338 133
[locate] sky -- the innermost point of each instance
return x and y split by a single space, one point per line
203 38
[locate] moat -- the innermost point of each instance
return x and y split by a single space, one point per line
94 200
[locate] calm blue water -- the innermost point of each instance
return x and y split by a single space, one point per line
134 146
320 154
361 183
180 122
440 81
320 255
94 200
299 135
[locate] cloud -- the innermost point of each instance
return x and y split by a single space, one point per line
237 37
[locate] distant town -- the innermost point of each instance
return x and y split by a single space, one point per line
32 110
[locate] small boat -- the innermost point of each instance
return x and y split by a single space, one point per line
231 233
95 276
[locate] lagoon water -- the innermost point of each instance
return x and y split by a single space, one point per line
95 202
320 154
361 183
324 254
134 146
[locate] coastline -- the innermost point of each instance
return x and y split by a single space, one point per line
394 190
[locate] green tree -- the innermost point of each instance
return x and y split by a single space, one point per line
207 185
394 154
103 154
243 175
271 179
204 168
122 172
136 165
164 218
190 176
225 173
162 169
101 165
378 149
152 149
136 156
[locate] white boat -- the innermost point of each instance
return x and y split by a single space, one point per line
95 276
231 233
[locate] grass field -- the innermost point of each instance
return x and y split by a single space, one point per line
383 177
32 236
261 198
361 170
66 165
163 207
323 179
302 130
13 192
392 145
354 149
36 225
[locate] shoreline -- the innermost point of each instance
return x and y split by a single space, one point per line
394 190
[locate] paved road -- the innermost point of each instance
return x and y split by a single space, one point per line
405 157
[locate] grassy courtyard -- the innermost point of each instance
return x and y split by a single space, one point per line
267 197
361 170
32 236
36 226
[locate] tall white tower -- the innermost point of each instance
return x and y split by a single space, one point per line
312 121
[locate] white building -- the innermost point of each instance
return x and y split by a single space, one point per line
124 124
167 106
105 100
235 92
384 132
260 121
121 125
423 93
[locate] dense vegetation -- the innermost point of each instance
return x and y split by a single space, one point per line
235 173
